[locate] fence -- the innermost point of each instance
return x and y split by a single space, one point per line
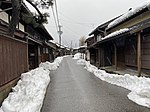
13 59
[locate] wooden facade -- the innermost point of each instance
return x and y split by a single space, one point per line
126 49
22 52
13 59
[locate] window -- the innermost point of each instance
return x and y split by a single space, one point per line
99 37
47 50
21 27
4 16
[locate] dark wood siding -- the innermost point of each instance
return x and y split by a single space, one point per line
101 56
131 51
145 51
93 56
13 59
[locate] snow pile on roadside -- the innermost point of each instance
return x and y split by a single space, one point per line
28 94
77 56
81 62
90 67
139 86
52 66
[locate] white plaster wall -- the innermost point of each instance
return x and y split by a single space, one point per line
4 16
21 27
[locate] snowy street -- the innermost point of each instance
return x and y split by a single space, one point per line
74 89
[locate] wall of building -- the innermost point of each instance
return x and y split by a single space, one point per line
21 27
132 22
13 62
4 16
145 48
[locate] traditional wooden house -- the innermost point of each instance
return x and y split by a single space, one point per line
124 42
38 50
13 51
54 50
91 51
23 51
97 57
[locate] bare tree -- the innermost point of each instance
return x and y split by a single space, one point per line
82 41
16 7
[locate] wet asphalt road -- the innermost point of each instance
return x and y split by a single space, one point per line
73 89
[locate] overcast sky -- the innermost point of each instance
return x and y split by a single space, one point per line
80 17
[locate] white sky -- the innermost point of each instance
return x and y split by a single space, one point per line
80 17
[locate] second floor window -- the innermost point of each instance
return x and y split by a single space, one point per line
99 37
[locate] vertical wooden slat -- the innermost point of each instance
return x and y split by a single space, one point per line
1 61
13 59
139 54
115 48
99 57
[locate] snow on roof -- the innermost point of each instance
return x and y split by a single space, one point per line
84 46
52 41
129 13
121 31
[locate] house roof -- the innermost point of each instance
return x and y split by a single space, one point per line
116 33
28 18
130 14
140 26
125 32
39 27
101 28
89 38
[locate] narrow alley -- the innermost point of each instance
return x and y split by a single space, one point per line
73 89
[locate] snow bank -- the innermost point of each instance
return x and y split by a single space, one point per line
52 66
139 86
28 94
79 56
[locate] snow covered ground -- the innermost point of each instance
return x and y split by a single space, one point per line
28 94
79 56
139 86
52 66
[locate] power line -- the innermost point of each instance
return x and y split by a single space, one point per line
54 18
81 24
69 29
59 26
74 21
57 12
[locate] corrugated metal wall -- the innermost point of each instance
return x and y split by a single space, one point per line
13 59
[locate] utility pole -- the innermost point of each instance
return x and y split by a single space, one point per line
60 33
